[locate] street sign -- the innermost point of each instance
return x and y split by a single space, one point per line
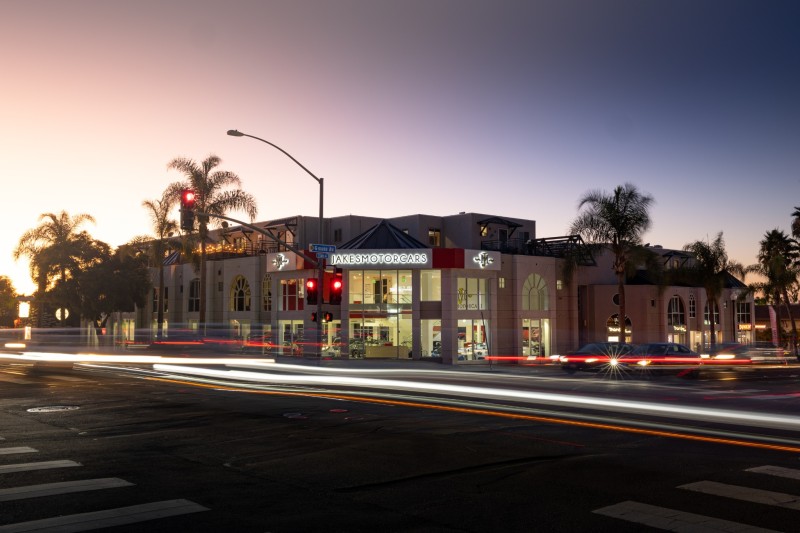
323 255
324 248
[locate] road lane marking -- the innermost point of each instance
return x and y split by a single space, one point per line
42 465
672 520
108 518
779 471
747 494
64 487
17 449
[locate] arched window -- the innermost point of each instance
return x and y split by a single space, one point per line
240 294
675 313
266 293
534 294
692 306
194 295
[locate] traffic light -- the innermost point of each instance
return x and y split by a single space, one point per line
328 317
187 209
311 291
335 289
313 317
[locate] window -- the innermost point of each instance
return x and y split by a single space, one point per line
292 294
675 314
743 313
194 295
434 237
471 294
240 294
266 293
337 235
431 281
716 314
692 307
534 294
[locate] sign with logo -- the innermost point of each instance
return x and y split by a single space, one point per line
482 260
282 261
381 258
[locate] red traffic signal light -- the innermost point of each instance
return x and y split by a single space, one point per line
187 209
328 317
335 290
187 199
311 291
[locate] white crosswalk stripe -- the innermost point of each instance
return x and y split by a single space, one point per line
108 518
677 520
17 449
63 487
673 520
42 465
747 494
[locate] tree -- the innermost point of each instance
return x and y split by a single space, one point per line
216 193
711 269
118 283
615 221
56 251
778 258
8 302
163 227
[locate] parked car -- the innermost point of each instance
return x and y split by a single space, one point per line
661 354
736 353
594 356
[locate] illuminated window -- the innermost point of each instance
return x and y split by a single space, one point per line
471 294
434 236
716 314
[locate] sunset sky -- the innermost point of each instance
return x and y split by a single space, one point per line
510 108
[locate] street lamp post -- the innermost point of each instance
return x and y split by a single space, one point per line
320 268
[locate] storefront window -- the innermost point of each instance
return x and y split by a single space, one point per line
380 313
431 289
292 294
706 318
614 329
471 294
535 337
473 343
431 338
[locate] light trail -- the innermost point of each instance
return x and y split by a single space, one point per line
774 421
53 357
732 441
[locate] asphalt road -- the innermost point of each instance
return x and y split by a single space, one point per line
170 455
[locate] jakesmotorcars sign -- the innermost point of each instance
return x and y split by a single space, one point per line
382 258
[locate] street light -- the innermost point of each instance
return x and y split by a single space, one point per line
320 269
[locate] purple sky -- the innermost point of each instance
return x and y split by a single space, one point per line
513 108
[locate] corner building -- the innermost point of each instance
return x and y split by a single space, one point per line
458 289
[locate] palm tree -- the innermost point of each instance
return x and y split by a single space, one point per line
616 221
163 227
216 192
55 249
796 223
711 269
778 264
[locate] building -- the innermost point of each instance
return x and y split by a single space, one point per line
455 288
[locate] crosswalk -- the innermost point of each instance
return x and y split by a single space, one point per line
86 521
668 519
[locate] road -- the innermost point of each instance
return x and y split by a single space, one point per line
479 450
